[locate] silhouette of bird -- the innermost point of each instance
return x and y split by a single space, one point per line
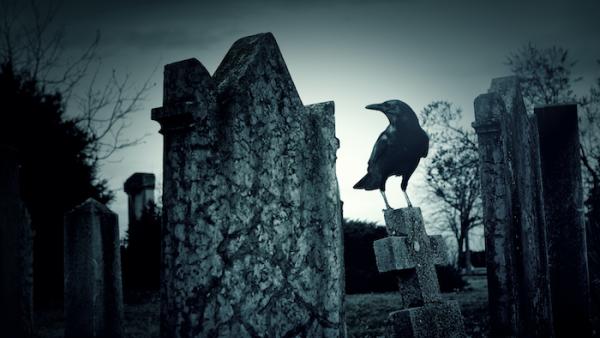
398 149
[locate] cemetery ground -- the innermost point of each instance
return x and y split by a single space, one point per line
365 313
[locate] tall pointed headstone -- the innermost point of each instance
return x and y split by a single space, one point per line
92 276
513 212
252 238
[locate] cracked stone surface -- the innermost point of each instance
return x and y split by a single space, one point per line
252 239
513 211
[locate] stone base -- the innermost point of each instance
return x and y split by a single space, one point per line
431 320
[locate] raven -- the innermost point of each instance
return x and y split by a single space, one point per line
398 149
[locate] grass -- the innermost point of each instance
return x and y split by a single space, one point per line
365 313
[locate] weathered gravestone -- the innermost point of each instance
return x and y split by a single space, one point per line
412 255
16 254
515 232
252 238
139 188
563 202
93 287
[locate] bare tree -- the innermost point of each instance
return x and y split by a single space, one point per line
545 74
590 158
546 78
104 112
32 46
589 121
70 115
452 175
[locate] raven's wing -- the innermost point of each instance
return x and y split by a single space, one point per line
380 148
423 145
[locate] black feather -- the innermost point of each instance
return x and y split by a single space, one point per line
398 149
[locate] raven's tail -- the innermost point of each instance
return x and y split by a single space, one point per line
369 182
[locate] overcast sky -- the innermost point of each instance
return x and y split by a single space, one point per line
352 52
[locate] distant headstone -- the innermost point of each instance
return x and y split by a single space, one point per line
16 254
412 255
93 286
515 231
139 188
252 237
563 201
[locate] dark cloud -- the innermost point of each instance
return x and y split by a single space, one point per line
157 38
352 51
469 26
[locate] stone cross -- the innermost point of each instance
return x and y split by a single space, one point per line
412 255
252 238
16 254
563 200
139 188
513 212
93 286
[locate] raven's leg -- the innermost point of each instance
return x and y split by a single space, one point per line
407 199
403 185
387 205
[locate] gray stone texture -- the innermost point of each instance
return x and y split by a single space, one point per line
412 257
433 320
16 252
439 250
252 238
139 188
93 286
395 253
417 276
515 232
392 254
563 201
397 223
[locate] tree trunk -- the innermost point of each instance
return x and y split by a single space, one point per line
461 252
468 266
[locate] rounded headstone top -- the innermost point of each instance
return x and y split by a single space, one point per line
90 205
186 81
139 181
489 107
504 83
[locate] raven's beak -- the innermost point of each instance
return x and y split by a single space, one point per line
374 107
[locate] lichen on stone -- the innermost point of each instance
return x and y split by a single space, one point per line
252 181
